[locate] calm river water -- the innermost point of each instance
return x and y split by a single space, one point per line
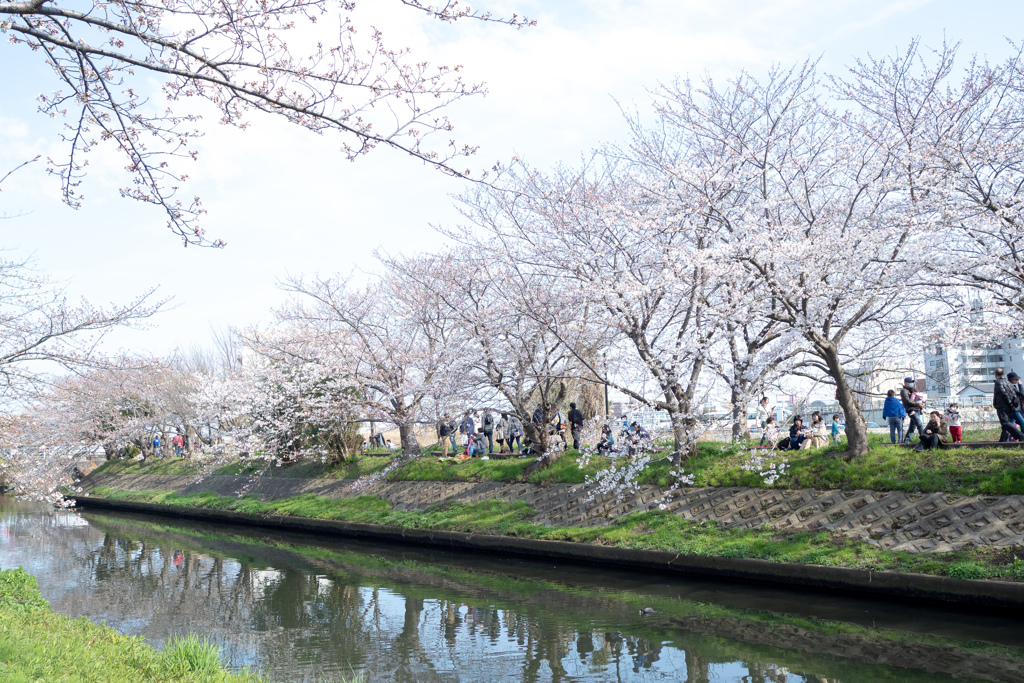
305 608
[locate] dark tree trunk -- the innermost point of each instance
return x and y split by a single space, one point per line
856 428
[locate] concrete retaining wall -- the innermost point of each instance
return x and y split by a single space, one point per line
916 522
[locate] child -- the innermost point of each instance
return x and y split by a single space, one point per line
953 421
835 428
771 432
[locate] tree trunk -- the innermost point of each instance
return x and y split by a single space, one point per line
740 430
406 432
856 428
682 438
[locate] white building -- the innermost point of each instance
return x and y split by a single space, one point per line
968 370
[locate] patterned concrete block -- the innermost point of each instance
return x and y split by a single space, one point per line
901 521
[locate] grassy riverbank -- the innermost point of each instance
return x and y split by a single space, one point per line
988 471
38 645
653 530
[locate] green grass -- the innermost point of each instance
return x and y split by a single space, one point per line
986 471
654 530
38 645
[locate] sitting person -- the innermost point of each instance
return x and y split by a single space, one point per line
797 433
607 443
817 433
936 432
478 444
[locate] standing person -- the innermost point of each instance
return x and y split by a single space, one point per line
501 432
835 428
771 432
488 424
515 435
156 445
575 425
1018 419
935 433
914 408
467 429
1006 401
895 413
763 413
444 432
179 445
953 420
538 417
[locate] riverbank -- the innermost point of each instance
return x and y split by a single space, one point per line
38 645
654 540
958 471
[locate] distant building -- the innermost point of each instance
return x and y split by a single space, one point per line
871 381
968 370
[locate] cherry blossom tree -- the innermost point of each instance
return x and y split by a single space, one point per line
960 135
42 332
493 305
390 340
812 208
315 64
628 272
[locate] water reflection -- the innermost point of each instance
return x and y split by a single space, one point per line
301 608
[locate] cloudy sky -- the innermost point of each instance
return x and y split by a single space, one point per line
287 202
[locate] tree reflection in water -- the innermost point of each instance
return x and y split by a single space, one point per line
311 612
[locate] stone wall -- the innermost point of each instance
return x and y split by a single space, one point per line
916 522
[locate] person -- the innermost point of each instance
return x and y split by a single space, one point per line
1018 419
156 445
835 428
467 429
444 432
538 416
953 421
763 413
501 432
607 443
179 445
935 433
895 413
913 407
515 434
478 443
488 423
797 433
390 446
575 425
817 434
1006 401
771 432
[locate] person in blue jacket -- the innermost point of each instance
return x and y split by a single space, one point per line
894 411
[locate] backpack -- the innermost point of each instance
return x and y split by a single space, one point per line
488 422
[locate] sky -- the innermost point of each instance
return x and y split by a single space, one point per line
288 203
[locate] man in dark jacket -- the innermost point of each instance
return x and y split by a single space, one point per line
1006 401
575 418
488 423
913 408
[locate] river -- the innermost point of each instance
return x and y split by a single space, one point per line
304 608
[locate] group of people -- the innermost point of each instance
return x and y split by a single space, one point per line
816 434
506 431
940 428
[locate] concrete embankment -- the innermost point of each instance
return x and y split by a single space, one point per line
913 522
931 522
973 593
